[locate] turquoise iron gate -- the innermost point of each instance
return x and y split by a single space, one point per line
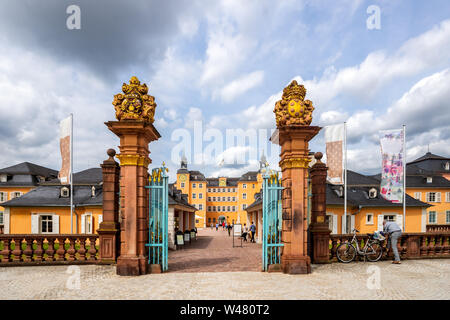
158 219
271 218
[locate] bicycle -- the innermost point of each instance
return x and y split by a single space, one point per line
373 249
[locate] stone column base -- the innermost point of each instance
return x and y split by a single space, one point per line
320 235
131 266
296 264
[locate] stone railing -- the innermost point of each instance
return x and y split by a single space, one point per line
36 249
438 227
410 245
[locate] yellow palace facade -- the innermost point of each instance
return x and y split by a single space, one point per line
217 200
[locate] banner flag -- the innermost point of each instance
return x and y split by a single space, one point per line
334 139
65 129
392 155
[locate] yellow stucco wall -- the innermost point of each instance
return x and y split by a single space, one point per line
20 218
10 190
440 208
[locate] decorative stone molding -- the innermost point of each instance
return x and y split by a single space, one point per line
133 160
295 163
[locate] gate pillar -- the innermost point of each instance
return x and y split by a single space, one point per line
135 111
109 227
293 117
318 227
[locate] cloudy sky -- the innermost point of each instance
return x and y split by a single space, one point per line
224 63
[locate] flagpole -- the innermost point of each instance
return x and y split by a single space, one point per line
345 178
404 178
71 173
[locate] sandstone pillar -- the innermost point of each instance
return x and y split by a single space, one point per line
293 118
109 227
134 111
318 227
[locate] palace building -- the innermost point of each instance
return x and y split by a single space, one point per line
219 199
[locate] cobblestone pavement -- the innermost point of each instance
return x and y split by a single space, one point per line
413 279
213 252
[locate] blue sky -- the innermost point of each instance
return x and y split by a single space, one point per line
225 63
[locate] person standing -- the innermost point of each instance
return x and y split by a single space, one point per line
229 227
217 226
253 232
394 232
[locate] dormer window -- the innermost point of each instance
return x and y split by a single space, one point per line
447 166
65 192
3 178
339 191
93 191
429 179
372 193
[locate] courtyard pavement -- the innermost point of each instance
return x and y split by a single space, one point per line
198 278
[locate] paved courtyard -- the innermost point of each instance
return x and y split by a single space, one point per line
194 276
213 251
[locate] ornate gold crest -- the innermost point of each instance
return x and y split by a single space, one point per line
134 103
292 109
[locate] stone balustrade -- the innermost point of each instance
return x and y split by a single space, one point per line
438 227
36 249
410 245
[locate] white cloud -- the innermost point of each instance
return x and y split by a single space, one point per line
241 85
194 114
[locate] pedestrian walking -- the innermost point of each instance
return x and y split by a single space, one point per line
395 232
217 226
223 225
245 232
229 227
253 232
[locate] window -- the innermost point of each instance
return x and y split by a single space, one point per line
223 208
93 191
200 195
209 189
194 185
447 217
244 206
214 220
447 197
214 198
369 218
200 185
228 208
194 196
372 193
244 186
432 217
182 185
218 209
16 194
433 197
429 179
244 196
447 166
389 218
253 186
197 221
229 190
209 220
417 195
65 192
200 207
209 198
234 208
234 198
46 224
3 196
3 178
1 218
214 208
229 199
214 190
223 199
87 223
209 208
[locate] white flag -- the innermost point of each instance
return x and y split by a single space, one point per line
392 154
334 139
65 129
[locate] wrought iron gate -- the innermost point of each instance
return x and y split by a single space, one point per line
271 218
158 219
